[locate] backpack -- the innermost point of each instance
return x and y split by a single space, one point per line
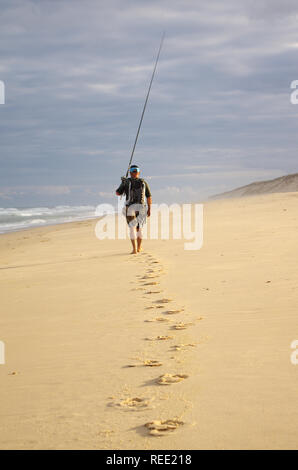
136 192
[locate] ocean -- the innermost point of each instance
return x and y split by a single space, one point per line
13 219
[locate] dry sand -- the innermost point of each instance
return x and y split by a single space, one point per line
85 369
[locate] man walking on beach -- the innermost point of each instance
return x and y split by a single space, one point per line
135 189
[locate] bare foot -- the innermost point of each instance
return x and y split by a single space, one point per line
133 252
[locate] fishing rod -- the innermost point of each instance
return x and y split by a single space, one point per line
144 108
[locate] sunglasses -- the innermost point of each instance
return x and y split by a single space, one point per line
134 171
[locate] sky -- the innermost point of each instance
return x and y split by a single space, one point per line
76 74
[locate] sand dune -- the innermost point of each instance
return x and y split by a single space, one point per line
283 184
98 356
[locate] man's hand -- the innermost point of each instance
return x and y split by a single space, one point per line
149 202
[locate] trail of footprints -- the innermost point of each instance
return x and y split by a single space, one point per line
150 280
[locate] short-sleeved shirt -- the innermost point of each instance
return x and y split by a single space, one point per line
133 189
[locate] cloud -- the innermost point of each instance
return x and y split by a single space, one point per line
51 190
103 87
47 190
106 194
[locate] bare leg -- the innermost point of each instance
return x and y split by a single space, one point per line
132 231
134 247
139 240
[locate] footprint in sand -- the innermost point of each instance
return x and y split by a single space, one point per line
173 312
150 363
150 307
168 379
159 338
181 326
158 319
147 363
153 283
162 428
163 301
149 277
134 404
153 292
180 347
154 269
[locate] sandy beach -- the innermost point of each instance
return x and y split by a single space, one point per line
99 342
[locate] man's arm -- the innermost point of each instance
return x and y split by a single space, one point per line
121 189
149 202
149 199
